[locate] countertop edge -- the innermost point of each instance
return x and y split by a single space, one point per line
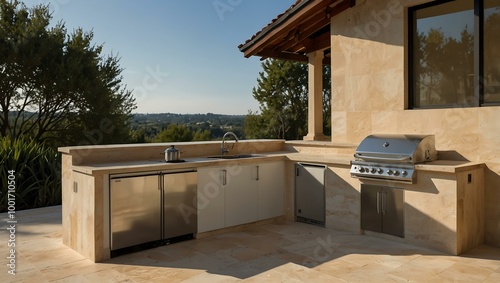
159 165
444 166
449 166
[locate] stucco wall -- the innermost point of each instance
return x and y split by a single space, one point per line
369 95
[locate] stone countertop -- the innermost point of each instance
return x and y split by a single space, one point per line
449 166
336 159
197 162
446 166
162 165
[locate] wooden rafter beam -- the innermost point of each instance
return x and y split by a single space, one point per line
307 30
281 31
289 56
310 33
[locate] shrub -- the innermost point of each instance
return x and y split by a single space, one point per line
36 170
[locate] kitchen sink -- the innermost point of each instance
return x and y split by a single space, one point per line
234 156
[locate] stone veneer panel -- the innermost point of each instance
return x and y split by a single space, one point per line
80 207
430 212
342 200
470 210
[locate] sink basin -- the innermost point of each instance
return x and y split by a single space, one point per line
235 156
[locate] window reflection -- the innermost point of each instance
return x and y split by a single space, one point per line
491 51
443 54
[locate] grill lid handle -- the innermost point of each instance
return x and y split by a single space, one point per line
357 155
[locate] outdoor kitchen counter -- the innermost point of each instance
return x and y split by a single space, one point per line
330 159
161 165
449 166
445 166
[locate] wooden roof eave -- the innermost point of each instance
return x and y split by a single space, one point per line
284 24
291 38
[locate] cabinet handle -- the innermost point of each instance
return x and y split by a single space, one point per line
160 182
378 202
384 203
224 177
297 171
257 172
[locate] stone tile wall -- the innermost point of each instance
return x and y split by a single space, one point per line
369 95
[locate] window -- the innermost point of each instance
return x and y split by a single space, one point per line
491 51
455 54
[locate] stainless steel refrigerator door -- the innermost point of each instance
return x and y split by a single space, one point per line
135 206
179 204
310 192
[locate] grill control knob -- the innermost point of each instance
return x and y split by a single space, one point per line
379 170
373 170
389 171
396 173
361 169
404 173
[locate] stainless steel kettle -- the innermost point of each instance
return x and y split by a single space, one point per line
172 154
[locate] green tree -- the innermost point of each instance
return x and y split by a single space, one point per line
174 133
57 86
202 135
282 93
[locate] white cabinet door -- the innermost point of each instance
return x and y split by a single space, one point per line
211 199
239 194
271 190
240 187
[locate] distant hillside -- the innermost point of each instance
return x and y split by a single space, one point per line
173 118
217 124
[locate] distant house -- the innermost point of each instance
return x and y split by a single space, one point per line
402 66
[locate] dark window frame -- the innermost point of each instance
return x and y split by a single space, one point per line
478 58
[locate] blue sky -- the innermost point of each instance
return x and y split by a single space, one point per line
179 56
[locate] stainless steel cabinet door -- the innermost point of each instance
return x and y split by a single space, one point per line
179 204
393 216
382 209
371 208
135 211
310 192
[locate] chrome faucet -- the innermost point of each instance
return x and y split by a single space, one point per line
224 150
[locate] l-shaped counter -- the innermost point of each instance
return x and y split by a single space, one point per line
443 209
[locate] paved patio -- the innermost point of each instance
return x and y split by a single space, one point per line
287 252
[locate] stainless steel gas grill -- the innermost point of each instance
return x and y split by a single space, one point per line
392 157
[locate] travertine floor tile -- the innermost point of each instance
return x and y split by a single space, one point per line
418 270
494 277
261 232
107 275
483 256
271 276
304 274
212 263
460 272
211 278
147 274
31 275
267 247
337 268
171 252
52 257
240 254
372 272
61 271
277 252
209 245
295 258
74 279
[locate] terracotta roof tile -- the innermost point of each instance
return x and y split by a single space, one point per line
272 22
